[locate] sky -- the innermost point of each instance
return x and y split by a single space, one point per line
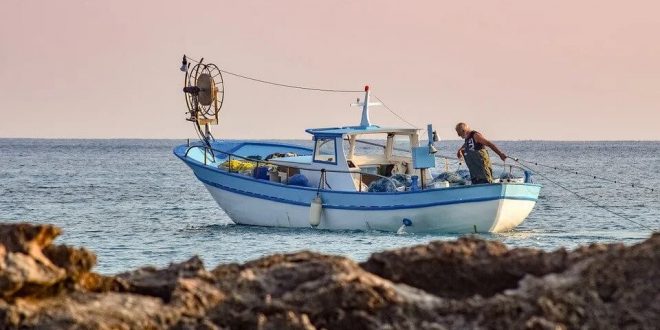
514 70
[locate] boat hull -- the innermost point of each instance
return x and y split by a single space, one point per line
473 208
496 215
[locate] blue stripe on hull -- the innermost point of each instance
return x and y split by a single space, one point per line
364 208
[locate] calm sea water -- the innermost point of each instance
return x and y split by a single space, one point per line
134 203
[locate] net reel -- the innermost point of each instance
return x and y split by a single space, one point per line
204 93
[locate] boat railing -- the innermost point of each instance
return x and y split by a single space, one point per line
259 162
504 165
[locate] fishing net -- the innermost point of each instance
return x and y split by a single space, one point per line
402 180
454 178
397 182
382 185
465 174
509 177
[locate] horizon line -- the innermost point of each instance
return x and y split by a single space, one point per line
236 139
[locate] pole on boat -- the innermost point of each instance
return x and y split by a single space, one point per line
365 122
365 109
424 157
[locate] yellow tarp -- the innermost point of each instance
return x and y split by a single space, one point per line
239 165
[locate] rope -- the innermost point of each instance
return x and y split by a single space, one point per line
308 88
321 182
284 85
394 113
634 185
582 197
325 179
291 86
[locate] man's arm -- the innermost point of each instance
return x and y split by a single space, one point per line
460 152
481 139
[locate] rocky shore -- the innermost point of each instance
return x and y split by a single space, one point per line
469 283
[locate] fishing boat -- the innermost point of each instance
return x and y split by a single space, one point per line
336 184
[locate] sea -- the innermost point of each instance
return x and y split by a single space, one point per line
135 204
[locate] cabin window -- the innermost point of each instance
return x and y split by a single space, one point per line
325 150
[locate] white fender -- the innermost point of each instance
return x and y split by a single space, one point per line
315 211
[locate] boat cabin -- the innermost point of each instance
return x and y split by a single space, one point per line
355 156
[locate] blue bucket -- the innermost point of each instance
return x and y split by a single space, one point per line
261 172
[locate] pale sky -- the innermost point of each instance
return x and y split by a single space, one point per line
514 70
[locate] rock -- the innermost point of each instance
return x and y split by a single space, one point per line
307 290
613 289
468 283
50 286
74 261
186 286
24 269
28 239
469 266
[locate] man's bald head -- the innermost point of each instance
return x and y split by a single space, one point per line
462 129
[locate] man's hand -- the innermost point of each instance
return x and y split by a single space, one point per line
459 154
503 157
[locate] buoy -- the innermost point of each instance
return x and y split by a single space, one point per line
315 211
406 223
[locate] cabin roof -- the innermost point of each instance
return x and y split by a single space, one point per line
351 130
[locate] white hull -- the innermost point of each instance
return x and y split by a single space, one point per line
481 216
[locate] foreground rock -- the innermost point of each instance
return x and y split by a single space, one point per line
469 283
472 266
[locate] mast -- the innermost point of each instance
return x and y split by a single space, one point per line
365 122
365 109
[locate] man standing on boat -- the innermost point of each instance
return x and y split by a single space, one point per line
475 154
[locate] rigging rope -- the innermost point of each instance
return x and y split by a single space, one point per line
582 197
291 86
309 89
394 113
284 85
